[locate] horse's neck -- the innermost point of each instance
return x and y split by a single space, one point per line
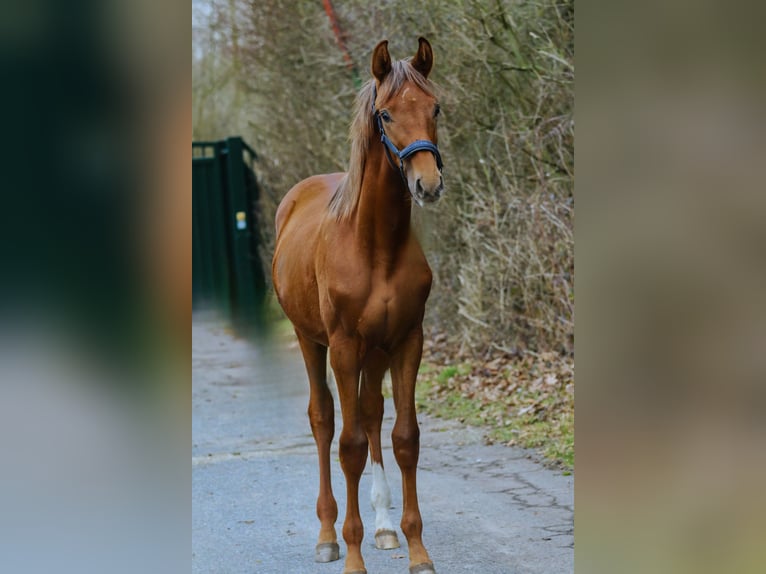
384 209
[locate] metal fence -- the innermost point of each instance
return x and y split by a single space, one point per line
227 273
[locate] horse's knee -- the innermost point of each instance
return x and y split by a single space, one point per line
353 440
406 442
353 450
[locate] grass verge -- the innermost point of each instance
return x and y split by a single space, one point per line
526 401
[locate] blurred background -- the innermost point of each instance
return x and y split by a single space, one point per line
671 314
95 286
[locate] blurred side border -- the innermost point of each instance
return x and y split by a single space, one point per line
96 289
670 320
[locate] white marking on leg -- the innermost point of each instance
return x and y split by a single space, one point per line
380 496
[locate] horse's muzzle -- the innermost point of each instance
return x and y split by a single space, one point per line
428 194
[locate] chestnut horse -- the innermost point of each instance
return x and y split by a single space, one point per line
350 275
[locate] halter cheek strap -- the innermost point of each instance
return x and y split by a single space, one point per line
393 151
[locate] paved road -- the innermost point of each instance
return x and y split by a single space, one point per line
487 509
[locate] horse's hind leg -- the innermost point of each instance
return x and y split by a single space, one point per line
322 416
406 438
371 402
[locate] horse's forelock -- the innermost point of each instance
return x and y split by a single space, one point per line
401 72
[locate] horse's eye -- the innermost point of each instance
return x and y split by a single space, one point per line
437 109
386 116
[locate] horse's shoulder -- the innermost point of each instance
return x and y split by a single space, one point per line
310 195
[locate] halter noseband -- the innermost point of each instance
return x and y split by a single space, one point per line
413 148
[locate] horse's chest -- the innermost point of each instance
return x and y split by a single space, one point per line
391 310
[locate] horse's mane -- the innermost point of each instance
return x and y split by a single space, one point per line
363 128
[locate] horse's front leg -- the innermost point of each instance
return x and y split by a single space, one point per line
406 441
345 362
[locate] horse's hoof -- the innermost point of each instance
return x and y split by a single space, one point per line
386 540
327 552
425 568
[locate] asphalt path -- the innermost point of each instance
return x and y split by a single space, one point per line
486 508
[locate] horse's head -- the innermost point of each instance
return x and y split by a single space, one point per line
406 110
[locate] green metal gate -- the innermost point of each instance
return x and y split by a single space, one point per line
227 273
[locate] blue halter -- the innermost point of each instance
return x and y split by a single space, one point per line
413 148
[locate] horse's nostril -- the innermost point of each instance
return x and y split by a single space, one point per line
418 186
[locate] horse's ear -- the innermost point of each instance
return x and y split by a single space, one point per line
424 59
381 61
